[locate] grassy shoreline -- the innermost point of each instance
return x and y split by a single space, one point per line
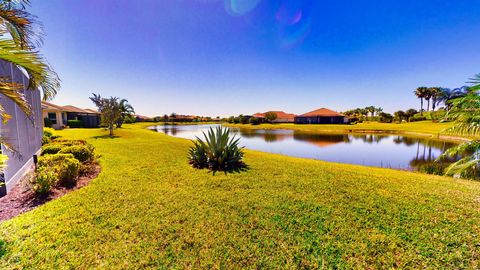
418 129
149 209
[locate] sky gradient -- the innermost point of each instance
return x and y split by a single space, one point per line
221 58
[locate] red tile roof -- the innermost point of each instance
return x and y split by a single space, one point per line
280 115
322 112
48 104
68 108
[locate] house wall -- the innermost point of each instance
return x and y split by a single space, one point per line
23 133
320 120
61 118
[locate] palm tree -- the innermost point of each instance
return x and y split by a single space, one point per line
421 92
126 109
427 96
436 93
19 39
450 94
371 110
466 113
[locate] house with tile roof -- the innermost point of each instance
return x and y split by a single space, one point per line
282 117
321 116
60 115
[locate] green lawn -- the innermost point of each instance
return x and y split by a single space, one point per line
421 127
149 209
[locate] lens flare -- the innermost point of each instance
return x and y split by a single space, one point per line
289 14
240 7
294 35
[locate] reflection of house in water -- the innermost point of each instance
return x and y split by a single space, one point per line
321 140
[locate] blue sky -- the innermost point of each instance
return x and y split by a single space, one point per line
214 57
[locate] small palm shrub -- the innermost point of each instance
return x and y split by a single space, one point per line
218 152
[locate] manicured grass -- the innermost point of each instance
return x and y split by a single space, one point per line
149 209
422 127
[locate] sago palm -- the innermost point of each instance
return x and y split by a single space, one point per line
20 35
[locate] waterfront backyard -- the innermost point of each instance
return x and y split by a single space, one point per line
148 207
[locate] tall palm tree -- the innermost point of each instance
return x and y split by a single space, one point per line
126 109
428 95
421 92
436 93
20 36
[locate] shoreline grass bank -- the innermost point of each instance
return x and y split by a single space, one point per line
419 129
149 209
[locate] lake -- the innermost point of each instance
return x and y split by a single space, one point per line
379 150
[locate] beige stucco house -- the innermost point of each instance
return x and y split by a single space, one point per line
56 114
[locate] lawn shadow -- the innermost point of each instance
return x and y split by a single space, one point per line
241 169
106 137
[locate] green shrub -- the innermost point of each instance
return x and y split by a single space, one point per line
43 181
254 121
417 117
51 148
218 152
75 123
65 167
47 122
83 153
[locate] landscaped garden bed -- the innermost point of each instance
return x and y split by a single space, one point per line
65 165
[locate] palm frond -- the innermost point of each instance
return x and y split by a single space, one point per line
40 73
11 91
23 27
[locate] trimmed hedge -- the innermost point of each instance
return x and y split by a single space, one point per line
75 124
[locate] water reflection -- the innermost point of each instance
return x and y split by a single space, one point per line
381 150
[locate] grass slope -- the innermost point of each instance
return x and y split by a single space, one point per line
149 209
421 127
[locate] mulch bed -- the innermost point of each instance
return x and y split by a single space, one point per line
20 199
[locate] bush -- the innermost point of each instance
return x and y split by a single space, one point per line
47 122
43 181
417 117
51 148
83 153
254 121
65 167
218 152
47 136
75 123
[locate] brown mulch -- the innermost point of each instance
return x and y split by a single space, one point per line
21 199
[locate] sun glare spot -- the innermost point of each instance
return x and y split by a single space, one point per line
240 7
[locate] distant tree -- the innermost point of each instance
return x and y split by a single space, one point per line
165 118
270 116
254 121
243 119
400 115
173 116
371 110
126 110
378 110
385 117
421 93
410 113
109 109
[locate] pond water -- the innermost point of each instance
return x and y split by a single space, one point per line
380 150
